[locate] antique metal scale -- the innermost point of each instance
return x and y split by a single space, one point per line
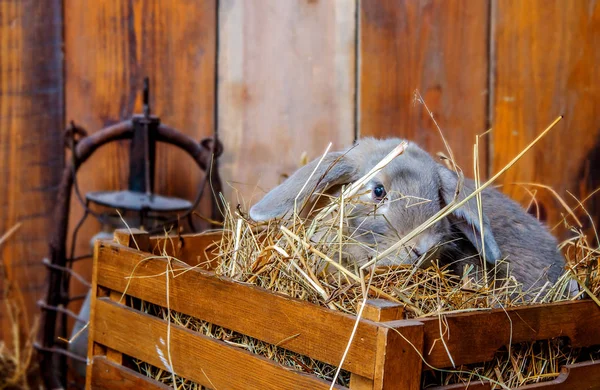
138 205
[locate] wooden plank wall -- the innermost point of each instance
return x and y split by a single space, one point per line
439 48
110 46
547 57
31 117
286 86
281 78
513 66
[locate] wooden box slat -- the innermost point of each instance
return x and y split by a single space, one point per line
109 376
322 334
583 376
475 337
276 319
190 248
208 362
580 376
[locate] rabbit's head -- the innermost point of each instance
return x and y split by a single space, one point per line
399 198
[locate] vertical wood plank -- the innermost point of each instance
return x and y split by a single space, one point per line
358 382
286 86
108 376
110 46
112 354
546 60
133 238
31 117
377 310
399 350
438 47
94 349
381 310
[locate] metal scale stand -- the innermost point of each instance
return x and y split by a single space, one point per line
138 204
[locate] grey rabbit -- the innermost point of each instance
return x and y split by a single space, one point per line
408 191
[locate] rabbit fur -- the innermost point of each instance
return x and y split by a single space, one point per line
416 187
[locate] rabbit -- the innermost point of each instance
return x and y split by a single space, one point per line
407 192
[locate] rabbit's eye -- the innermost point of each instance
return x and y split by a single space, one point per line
378 192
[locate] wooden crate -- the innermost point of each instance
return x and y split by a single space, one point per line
385 354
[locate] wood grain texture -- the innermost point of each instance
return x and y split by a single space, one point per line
31 117
398 363
133 238
286 86
381 310
320 333
580 376
473 385
360 383
107 375
488 332
110 46
206 361
437 47
94 349
378 310
546 64
192 249
584 376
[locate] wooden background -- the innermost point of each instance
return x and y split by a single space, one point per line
278 79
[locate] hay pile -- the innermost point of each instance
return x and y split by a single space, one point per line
277 354
304 258
523 364
17 366
281 256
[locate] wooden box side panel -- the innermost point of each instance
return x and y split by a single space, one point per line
109 375
206 361
193 249
475 337
584 375
295 325
322 334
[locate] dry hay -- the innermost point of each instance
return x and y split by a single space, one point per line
303 258
277 354
523 364
277 257
16 357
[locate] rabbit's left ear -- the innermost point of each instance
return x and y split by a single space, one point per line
467 218
315 177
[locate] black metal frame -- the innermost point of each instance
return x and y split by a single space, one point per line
143 131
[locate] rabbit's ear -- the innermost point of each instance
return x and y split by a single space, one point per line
336 168
466 218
